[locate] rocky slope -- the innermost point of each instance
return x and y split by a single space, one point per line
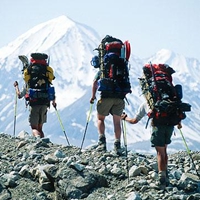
36 169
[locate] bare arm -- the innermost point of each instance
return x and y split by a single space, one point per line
142 111
128 119
19 93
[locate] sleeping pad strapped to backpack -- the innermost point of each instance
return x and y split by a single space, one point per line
163 98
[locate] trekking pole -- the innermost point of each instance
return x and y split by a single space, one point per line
61 124
88 119
189 153
125 144
15 113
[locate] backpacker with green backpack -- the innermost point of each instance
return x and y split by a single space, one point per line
113 63
38 76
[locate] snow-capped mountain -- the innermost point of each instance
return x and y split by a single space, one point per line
70 46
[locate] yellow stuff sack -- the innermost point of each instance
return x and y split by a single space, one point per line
49 74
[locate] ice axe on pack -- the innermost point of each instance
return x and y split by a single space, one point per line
61 124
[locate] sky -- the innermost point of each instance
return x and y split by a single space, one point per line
149 25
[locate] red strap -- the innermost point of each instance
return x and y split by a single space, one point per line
34 61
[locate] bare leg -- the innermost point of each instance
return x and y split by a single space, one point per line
37 130
117 126
162 158
101 124
40 130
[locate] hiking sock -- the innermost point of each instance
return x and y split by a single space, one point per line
102 143
162 179
117 147
102 139
167 178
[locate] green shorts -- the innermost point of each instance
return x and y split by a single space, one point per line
38 114
161 135
114 106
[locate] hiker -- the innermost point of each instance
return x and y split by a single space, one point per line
160 138
37 90
165 109
112 94
106 106
38 113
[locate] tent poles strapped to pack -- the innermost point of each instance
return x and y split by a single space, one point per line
125 144
188 151
15 113
61 124
88 119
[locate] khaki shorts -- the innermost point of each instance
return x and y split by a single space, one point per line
114 106
161 135
38 114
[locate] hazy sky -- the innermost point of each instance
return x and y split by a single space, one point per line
149 25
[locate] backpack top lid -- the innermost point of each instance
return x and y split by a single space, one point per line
39 58
109 39
154 68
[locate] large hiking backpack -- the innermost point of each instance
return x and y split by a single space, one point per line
112 60
163 98
38 76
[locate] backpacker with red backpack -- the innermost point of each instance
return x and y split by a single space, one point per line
163 98
38 76
113 62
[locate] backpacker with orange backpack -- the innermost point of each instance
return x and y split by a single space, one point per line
113 62
38 76
163 98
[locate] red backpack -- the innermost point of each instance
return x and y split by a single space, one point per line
164 99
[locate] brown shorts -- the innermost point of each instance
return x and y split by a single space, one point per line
38 114
114 106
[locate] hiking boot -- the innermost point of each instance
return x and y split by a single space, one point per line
117 148
167 178
162 180
102 143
